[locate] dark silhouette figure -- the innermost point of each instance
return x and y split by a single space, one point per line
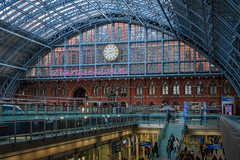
156 148
169 117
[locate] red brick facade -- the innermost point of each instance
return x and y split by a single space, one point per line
132 98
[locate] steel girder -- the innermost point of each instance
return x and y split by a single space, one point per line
212 29
11 84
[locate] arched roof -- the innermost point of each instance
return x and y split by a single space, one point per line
29 27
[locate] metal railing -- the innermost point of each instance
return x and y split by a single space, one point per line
28 130
177 154
234 121
196 119
161 135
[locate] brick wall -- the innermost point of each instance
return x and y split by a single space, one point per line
132 98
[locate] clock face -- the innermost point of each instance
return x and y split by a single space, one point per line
110 52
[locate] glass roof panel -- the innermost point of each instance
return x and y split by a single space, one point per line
44 16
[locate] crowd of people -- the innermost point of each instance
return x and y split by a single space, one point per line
206 154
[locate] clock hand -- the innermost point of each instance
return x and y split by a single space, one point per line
112 52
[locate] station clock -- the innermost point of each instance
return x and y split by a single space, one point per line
110 52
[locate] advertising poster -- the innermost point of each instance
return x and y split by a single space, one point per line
228 109
204 111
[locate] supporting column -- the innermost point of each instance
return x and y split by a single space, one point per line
120 155
54 109
144 152
25 109
129 149
74 108
61 109
137 147
14 109
0 109
109 148
45 109
95 153
153 140
36 109
68 109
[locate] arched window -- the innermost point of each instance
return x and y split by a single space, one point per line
188 88
55 90
115 89
104 89
200 89
38 90
44 90
176 88
139 90
213 88
95 90
226 88
32 90
164 88
123 104
151 88
123 90
64 89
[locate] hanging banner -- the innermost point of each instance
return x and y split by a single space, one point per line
204 112
185 110
130 108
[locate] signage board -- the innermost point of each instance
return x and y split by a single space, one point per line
145 144
214 146
228 99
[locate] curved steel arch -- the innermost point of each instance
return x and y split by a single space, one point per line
211 26
101 20
34 15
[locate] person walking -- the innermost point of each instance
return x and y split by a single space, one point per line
175 145
169 149
172 138
168 116
214 158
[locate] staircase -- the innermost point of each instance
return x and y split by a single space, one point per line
171 128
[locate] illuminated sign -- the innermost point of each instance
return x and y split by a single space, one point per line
59 72
228 109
